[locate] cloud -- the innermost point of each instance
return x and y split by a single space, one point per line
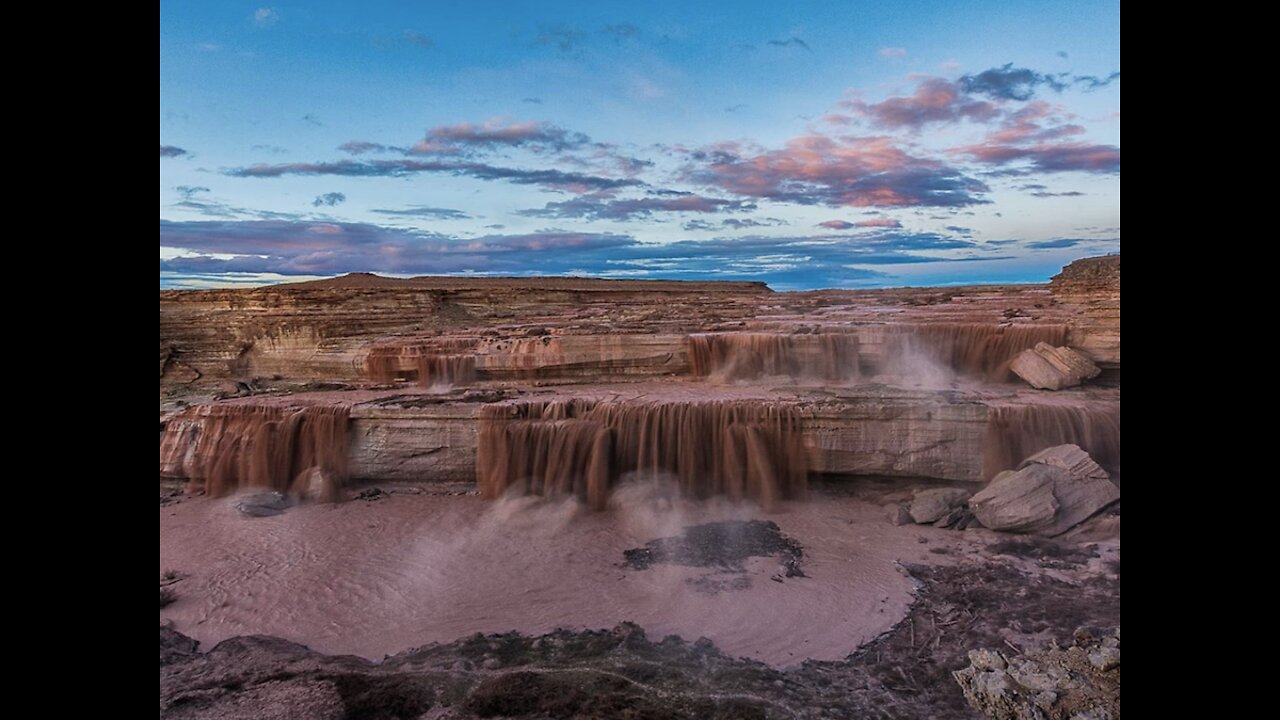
892 53
836 225
564 38
1062 54
936 100
791 41
735 108
466 137
189 191
272 149
320 248
1055 244
852 172
414 37
265 17
878 223
532 100
733 224
172 151
422 211
312 119
553 179
1039 138
1046 194
602 206
1010 83
360 147
329 199
329 248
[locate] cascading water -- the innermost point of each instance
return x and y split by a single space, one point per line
428 364
584 447
1015 432
223 448
974 349
747 356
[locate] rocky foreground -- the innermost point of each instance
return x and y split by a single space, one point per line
1017 594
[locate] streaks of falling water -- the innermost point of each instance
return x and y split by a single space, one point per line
1015 432
223 448
583 447
746 356
974 349
437 364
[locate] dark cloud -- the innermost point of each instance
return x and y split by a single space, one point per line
555 179
791 41
1010 83
733 224
818 170
360 147
564 38
432 213
325 248
319 248
1055 244
172 151
959 230
416 38
312 119
329 199
469 137
189 191
605 207
1068 193
836 225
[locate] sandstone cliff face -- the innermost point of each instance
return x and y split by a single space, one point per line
1091 287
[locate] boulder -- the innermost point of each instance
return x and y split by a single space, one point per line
934 504
1050 493
899 515
1050 368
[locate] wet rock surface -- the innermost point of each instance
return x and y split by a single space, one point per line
622 673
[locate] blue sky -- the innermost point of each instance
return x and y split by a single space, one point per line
816 145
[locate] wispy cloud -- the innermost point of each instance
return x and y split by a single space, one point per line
564 38
554 179
172 151
892 53
329 199
599 206
422 211
413 37
265 17
312 119
792 41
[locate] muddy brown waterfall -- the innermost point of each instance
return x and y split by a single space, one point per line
1015 432
972 349
223 448
746 356
428 365
585 447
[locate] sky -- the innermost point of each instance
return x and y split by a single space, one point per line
811 145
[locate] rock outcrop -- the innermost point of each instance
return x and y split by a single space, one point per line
1051 492
1050 368
1081 682
934 504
